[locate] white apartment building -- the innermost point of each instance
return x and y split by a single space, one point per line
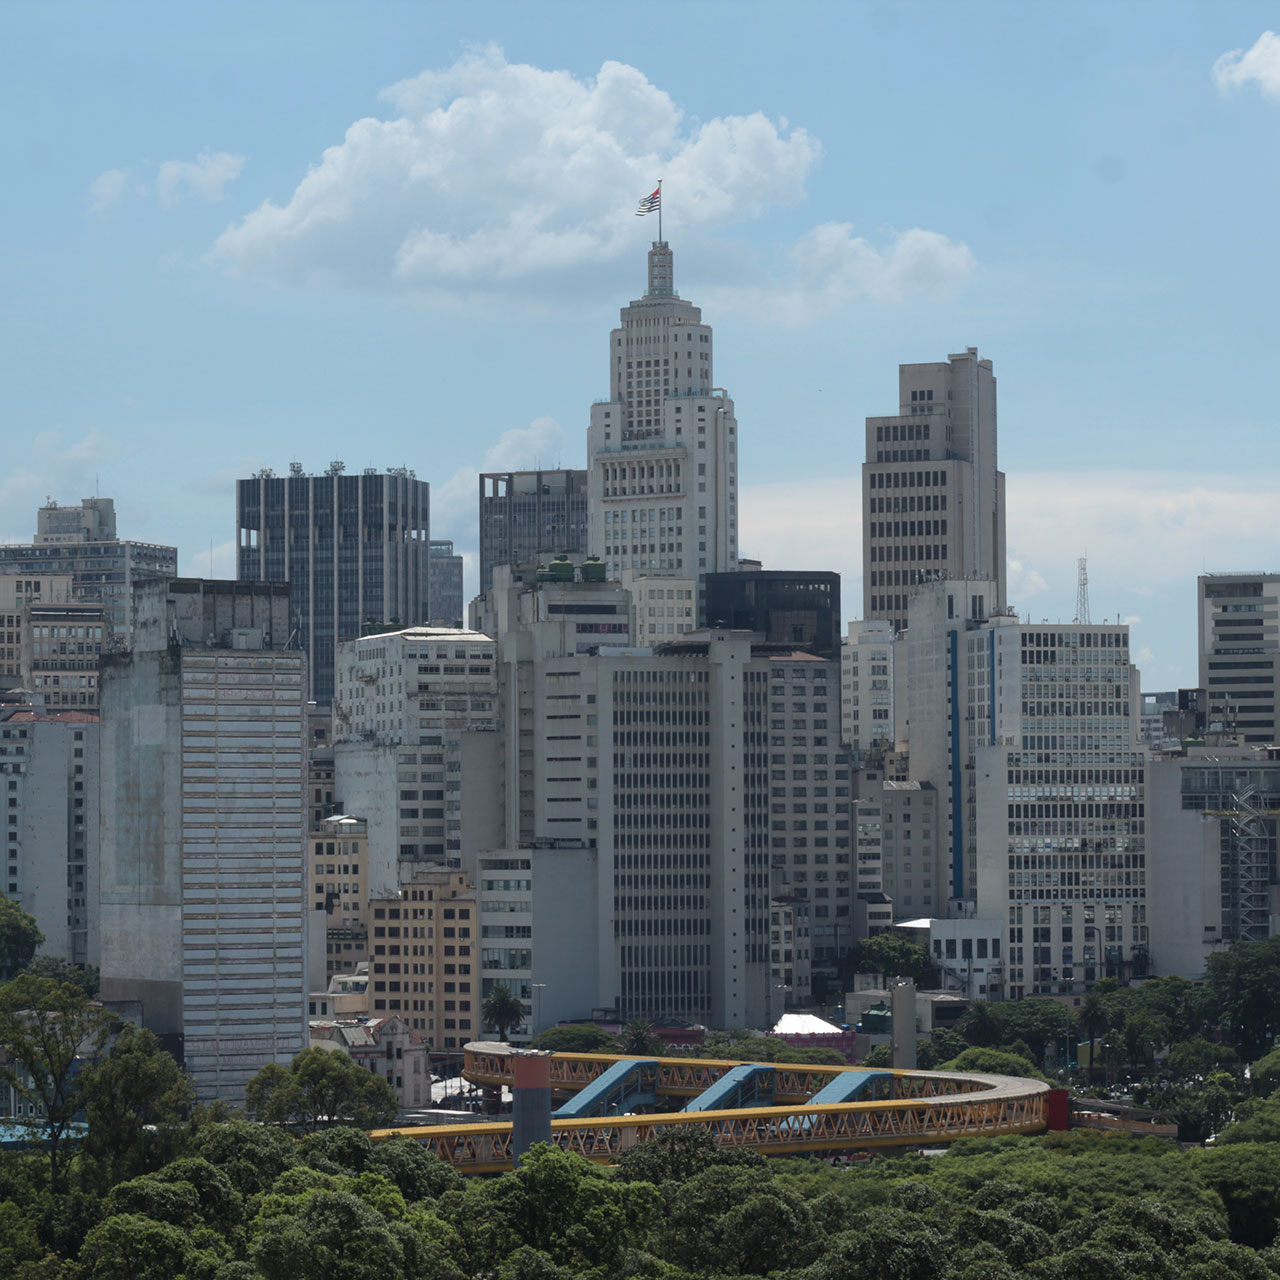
663 448
415 717
1239 637
662 608
810 835
201 910
867 687
49 781
932 497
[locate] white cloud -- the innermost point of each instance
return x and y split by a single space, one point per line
206 177
1259 65
829 266
492 173
107 188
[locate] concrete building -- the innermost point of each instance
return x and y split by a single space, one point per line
1214 814
810 836
1155 706
529 517
353 549
416 748
1239 634
906 863
201 909
801 609
932 496
49 779
81 543
62 645
17 591
663 447
340 890
867 694
423 957
388 1047
662 608
526 897
444 573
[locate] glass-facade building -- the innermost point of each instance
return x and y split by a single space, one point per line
354 549
530 515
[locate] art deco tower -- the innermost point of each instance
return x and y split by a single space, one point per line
663 447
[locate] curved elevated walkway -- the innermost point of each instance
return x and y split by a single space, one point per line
907 1109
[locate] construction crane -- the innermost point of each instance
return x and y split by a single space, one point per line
1082 590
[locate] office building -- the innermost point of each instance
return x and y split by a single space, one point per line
662 608
201 908
663 447
867 694
388 1047
1239 634
529 517
353 549
801 609
416 748
17 591
444 572
340 891
1214 814
81 543
932 496
49 780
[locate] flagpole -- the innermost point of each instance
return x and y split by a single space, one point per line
659 210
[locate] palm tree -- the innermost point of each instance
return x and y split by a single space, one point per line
502 1009
1093 1020
981 1025
639 1039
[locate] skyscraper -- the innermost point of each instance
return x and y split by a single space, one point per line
932 497
527 516
444 572
200 908
352 548
663 448
1240 653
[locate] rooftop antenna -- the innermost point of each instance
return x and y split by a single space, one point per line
1082 591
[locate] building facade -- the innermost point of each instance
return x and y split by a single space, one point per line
353 549
867 723
1239 634
81 543
416 748
932 496
663 448
801 609
49 780
528 517
444 571
201 912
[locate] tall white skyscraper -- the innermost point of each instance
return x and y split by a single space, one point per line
932 497
663 447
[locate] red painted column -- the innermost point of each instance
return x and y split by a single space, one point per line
531 1101
1058 1110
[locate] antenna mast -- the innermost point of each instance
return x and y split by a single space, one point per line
1082 590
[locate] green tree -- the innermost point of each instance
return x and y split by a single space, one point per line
678 1154
502 1009
1264 1074
84 976
1092 1022
981 1025
20 937
639 1038
1257 1120
1196 1058
134 1247
320 1087
892 955
581 1037
251 1155
992 1062
1245 984
135 1100
49 1031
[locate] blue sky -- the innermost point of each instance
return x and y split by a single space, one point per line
239 235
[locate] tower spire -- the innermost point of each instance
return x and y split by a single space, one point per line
661 271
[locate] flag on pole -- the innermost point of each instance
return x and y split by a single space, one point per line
651 203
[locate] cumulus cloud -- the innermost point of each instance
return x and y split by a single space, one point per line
830 266
206 177
1258 65
107 188
489 173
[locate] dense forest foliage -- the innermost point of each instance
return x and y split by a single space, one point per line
160 1188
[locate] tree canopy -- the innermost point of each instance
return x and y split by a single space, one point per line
320 1087
20 937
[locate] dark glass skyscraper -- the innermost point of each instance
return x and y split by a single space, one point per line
352 547
530 515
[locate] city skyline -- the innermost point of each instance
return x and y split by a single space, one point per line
1082 243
